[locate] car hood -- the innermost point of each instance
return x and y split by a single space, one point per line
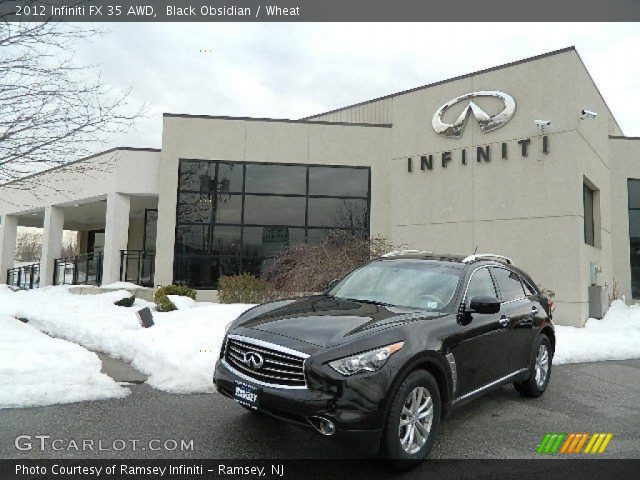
327 321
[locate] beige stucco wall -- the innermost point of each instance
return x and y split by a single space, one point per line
265 141
529 208
132 172
123 171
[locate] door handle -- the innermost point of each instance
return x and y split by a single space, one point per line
534 310
504 322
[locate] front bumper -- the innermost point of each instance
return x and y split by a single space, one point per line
353 426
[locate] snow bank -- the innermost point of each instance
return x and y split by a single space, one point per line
36 369
181 302
615 337
122 285
178 353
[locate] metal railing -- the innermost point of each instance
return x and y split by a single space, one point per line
85 269
26 276
137 266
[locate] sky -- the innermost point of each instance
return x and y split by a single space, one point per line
294 70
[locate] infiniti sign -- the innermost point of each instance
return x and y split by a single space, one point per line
253 360
487 123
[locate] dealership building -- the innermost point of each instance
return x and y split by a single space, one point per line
524 160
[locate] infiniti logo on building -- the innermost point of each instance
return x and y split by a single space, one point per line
487 123
253 360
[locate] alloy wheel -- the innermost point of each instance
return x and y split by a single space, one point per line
542 365
415 420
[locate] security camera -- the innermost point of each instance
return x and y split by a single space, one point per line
588 114
542 123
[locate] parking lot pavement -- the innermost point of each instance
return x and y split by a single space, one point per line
591 397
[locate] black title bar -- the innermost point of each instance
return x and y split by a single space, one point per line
122 469
320 11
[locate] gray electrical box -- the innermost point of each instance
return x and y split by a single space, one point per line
598 301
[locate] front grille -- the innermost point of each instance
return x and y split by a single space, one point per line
280 368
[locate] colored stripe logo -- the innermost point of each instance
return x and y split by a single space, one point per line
573 443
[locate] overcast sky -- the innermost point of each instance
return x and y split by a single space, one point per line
296 70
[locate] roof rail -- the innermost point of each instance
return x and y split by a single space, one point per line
487 256
396 253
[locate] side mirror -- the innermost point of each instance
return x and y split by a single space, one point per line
332 284
484 304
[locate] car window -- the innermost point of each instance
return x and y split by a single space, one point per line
400 282
509 284
481 284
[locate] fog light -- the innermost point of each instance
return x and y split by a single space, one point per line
324 426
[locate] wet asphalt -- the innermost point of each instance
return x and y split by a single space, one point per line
589 397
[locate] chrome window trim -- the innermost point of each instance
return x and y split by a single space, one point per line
272 346
489 385
466 290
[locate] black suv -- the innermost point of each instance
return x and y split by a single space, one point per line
383 354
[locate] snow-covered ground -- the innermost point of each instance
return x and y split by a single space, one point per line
36 369
178 353
615 337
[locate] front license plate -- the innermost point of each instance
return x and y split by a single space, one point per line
247 395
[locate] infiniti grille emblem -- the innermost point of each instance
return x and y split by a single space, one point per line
253 360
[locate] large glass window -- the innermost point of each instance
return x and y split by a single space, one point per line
278 179
234 217
273 210
633 187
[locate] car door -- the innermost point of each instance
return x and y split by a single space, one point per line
516 314
477 344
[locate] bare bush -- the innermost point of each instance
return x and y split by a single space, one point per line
309 267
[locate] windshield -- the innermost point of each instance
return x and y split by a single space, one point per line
400 282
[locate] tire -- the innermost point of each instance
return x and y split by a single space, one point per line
533 386
419 383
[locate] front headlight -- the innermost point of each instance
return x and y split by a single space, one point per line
368 361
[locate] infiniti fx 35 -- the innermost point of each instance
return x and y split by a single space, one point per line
385 353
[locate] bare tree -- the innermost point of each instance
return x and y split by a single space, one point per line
51 109
28 246
70 247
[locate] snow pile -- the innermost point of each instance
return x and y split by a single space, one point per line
181 302
121 285
178 353
615 337
36 369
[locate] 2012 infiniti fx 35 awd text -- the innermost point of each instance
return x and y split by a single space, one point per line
387 351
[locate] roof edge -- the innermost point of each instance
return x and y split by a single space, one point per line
452 79
280 120
622 137
89 157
